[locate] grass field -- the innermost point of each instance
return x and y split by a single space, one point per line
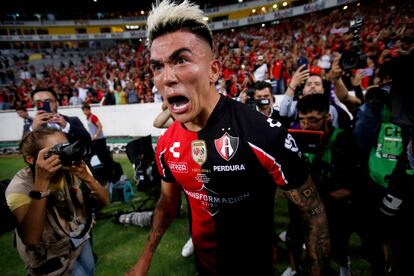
117 246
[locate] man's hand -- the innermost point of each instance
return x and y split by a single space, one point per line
140 268
58 119
336 70
299 77
41 117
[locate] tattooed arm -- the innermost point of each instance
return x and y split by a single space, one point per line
163 215
307 199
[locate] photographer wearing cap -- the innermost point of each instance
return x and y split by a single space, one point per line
47 116
52 200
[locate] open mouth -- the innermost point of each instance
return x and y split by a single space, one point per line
178 102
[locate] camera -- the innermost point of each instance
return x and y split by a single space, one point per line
262 102
71 153
251 103
354 58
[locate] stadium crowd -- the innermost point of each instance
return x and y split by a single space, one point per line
300 54
121 75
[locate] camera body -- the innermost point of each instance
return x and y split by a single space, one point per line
71 153
250 102
354 58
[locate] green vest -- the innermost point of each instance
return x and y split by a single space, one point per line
383 158
327 152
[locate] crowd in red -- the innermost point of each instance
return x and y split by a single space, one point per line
121 75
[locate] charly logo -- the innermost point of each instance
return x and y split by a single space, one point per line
199 151
175 146
290 143
227 146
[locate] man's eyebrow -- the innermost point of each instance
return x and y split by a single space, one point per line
173 55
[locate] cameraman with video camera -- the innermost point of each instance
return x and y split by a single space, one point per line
52 200
383 131
264 100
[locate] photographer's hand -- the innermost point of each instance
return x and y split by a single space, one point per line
83 173
46 166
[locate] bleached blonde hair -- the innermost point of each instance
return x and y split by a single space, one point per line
168 17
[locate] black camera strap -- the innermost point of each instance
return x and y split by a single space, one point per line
88 207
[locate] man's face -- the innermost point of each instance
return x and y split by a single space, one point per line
314 120
313 85
22 114
86 111
43 96
185 74
263 94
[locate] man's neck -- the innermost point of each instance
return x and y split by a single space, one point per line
201 120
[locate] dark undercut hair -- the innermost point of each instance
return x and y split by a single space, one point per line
314 102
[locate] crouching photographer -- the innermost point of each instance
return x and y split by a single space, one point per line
52 201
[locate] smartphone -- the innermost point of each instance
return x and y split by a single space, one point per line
43 106
303 61
308 141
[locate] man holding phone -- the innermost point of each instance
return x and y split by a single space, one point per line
47 116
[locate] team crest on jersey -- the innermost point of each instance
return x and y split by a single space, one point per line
199 151
227 146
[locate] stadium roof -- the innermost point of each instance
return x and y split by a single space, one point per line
51 6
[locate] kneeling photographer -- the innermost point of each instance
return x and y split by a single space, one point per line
52 201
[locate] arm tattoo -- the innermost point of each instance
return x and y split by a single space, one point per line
307 200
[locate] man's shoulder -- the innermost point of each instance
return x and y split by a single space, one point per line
71 119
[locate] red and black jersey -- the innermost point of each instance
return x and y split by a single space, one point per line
229 171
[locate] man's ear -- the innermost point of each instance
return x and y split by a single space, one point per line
215 70
329 117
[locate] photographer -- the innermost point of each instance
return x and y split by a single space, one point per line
52 201
264 101
383 131
334 169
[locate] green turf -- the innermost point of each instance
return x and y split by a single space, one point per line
118 246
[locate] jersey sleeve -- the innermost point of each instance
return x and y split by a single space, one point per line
160 158
276 150
290 158
94 120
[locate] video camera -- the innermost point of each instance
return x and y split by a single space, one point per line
354 58
71 153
